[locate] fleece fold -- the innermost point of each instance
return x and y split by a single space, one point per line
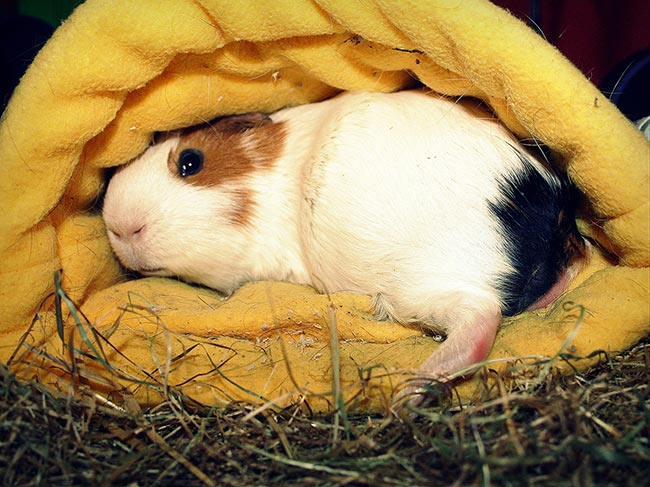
117 71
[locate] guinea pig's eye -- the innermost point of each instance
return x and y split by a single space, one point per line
190 161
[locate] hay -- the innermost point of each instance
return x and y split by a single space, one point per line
583 429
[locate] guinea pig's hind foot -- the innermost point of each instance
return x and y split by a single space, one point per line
467 344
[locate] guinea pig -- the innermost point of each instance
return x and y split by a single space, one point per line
427 204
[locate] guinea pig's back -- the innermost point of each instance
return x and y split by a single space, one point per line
397 198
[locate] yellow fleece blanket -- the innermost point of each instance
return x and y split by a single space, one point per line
119 70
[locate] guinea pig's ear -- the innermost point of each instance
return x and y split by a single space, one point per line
241 123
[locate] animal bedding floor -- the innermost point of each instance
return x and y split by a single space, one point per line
587 429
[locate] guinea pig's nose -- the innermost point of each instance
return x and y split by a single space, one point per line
128 232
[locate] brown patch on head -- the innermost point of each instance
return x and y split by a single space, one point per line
243 206
232 148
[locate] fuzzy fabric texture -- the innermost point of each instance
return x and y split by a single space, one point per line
118 70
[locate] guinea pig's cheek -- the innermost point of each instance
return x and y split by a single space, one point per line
122 252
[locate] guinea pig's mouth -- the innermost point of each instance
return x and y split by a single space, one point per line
158 271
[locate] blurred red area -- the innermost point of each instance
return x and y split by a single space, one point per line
596 35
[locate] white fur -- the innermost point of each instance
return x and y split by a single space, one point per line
383 194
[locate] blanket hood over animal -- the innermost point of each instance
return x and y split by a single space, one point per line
118 71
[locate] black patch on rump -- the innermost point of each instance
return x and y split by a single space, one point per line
537 220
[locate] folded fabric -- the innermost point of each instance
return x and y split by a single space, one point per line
118 71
